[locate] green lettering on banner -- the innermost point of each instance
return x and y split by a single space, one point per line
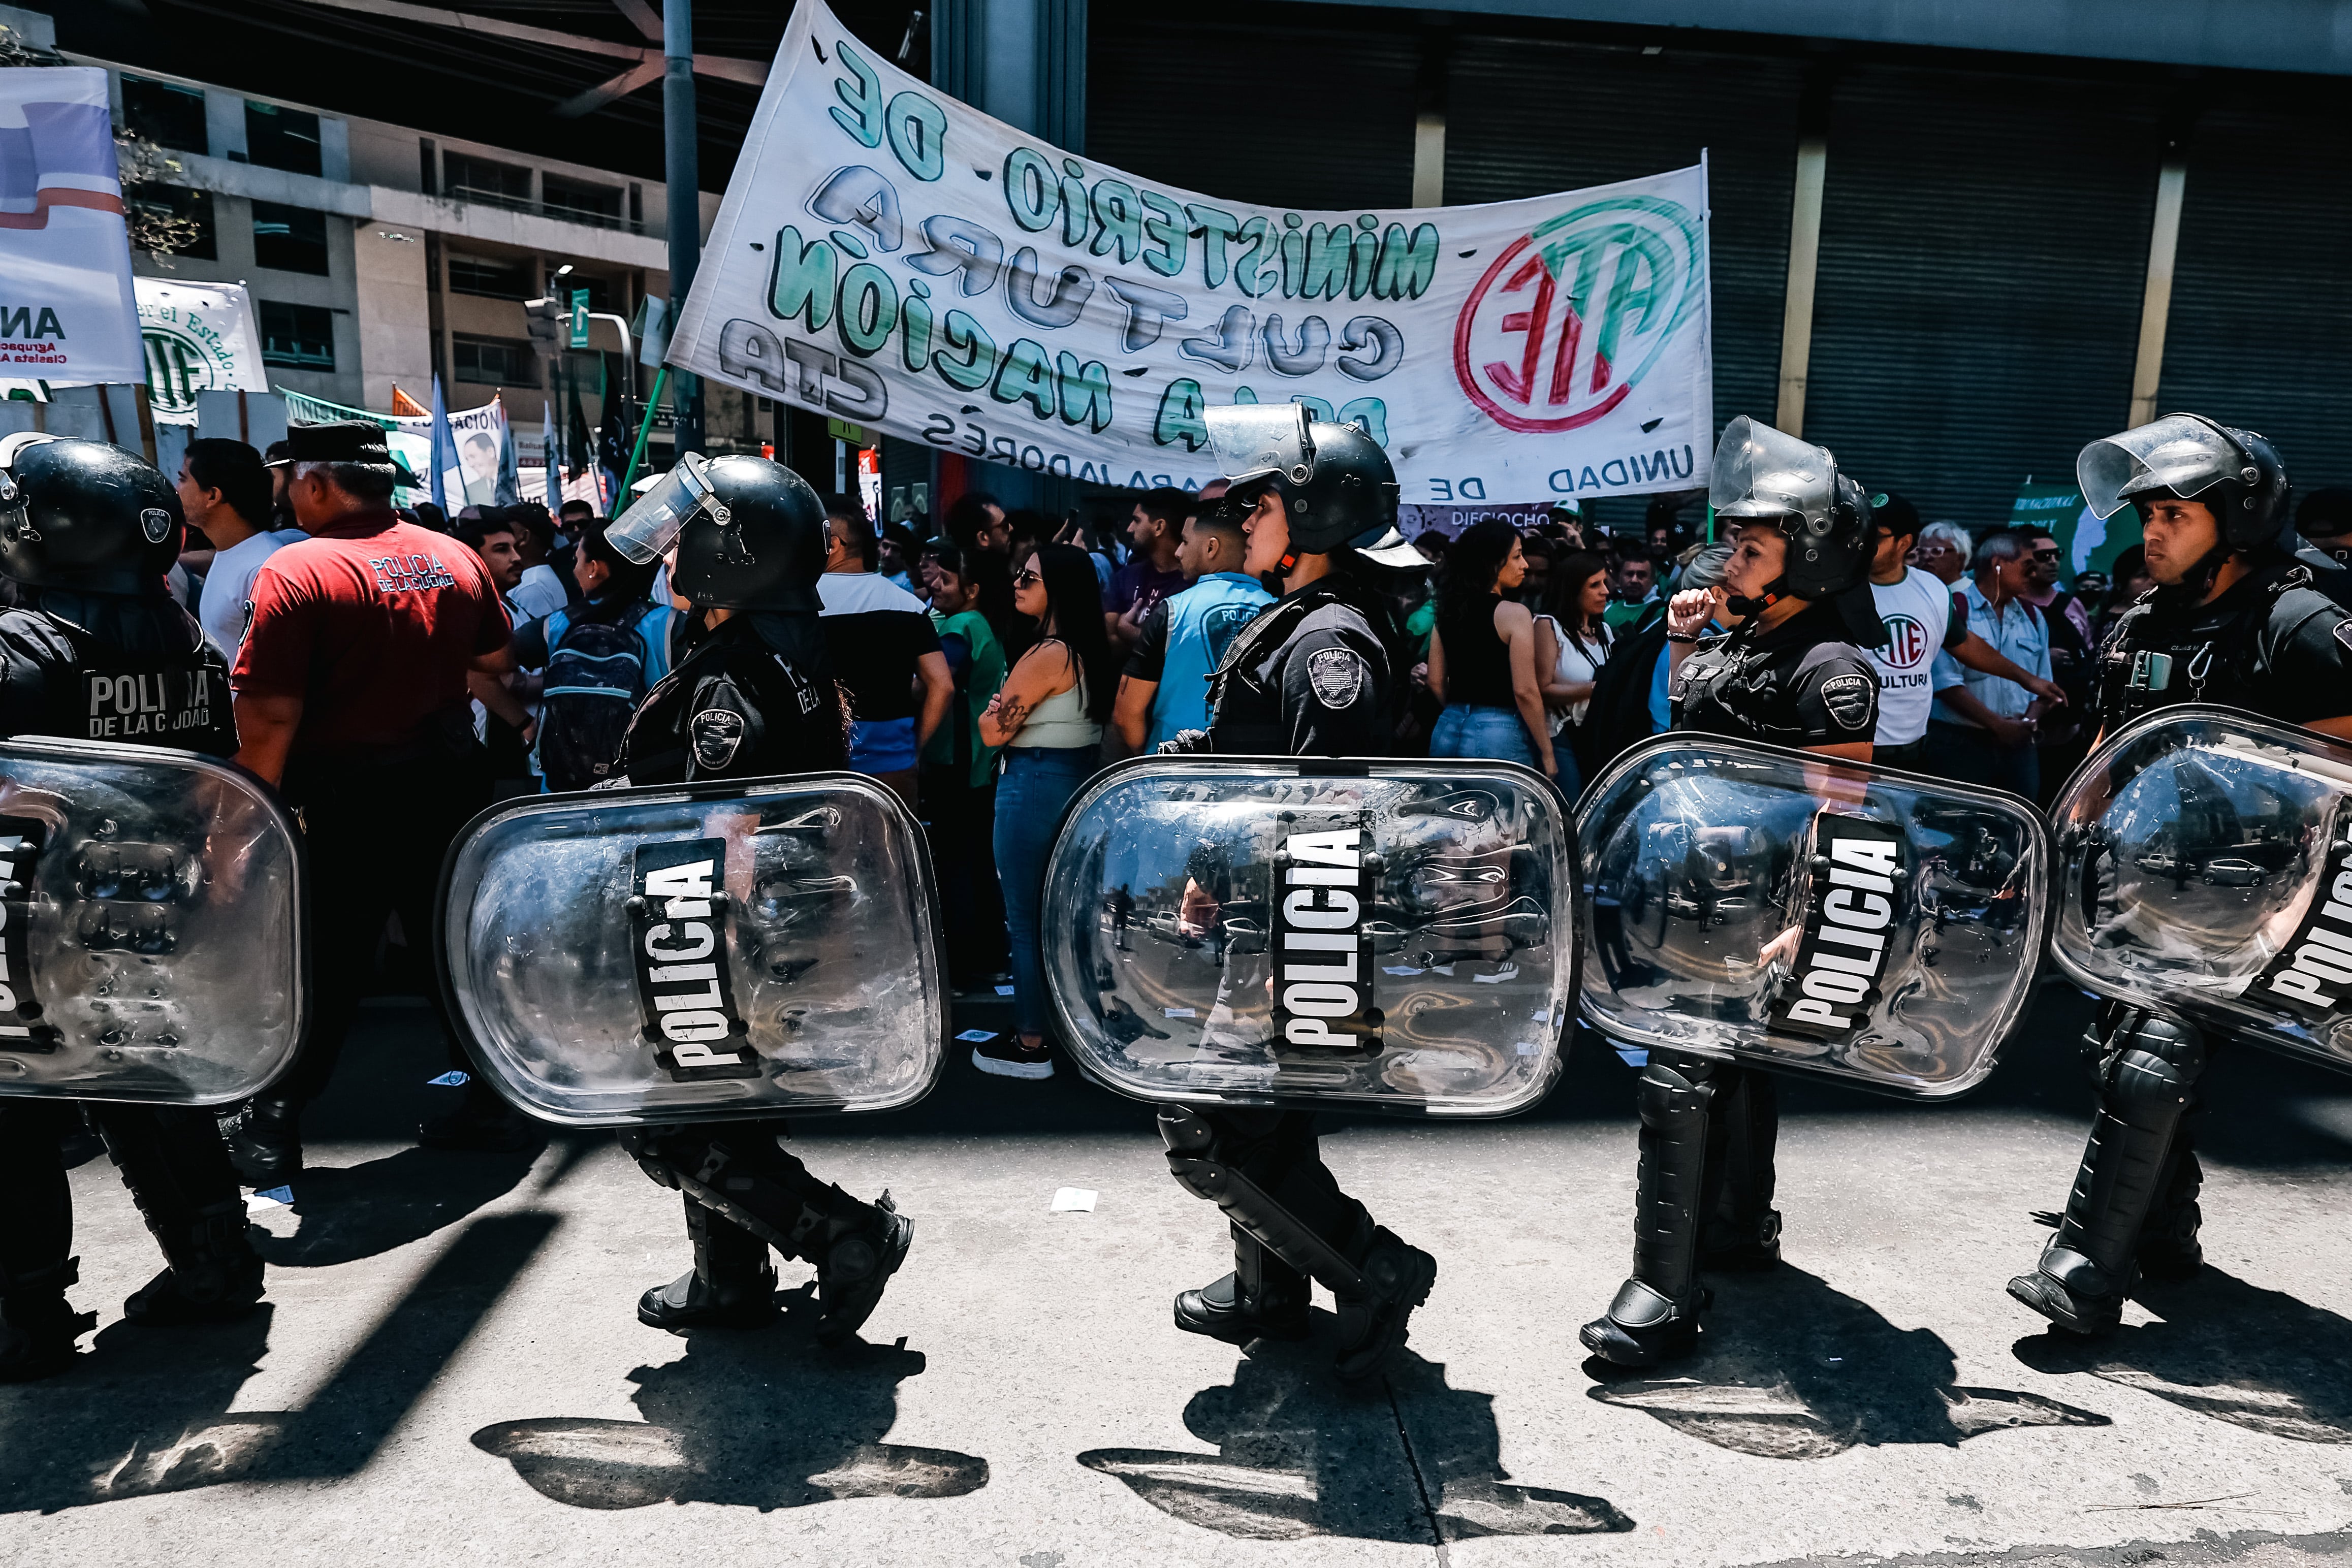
966 337
1178 418
1330 250
869 308
915 338
1249 275
1025 376
1084 391
1216 227
1115 210
1373 414
1294 256
1074 202
1364 255
919 135
1406 266
1032 194
863 97
801 279
1164 226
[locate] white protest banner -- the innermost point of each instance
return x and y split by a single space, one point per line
471 481
66 310
899 260
200 338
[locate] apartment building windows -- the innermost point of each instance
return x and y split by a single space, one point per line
492 279
280 138
480 180
296 336
164 112
494 362
292 239
580 202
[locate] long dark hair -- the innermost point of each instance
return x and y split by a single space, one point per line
1471 566
1564 594
1074 605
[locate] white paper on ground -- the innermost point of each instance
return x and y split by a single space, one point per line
1072 1200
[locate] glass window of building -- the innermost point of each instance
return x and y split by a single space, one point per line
164 112
489 277
493 362
296 336
280 138
580 202
479 180
185 217
292 239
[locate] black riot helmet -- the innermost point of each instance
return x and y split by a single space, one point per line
85 516
1338 490
1765 476
2188 457
749 534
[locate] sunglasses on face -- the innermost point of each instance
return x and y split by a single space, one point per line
1026 576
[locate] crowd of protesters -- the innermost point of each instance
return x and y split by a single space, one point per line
993 663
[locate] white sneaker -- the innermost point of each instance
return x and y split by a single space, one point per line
1006 1057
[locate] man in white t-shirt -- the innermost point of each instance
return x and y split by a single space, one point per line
1917 606
225 492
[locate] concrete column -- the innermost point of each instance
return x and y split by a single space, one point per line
1804 260
2156 301
1024 61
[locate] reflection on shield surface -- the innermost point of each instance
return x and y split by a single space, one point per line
1746 901
151 927
714 951
2208 871
1256 931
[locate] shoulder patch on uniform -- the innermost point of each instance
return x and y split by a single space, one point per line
716 733
2343 632
1848 698
1337 675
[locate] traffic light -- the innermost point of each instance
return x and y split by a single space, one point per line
549 321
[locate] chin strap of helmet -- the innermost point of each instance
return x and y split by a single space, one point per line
1746 604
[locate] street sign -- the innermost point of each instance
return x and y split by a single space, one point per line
578 318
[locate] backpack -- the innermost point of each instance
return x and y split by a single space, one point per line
1618 716
595 679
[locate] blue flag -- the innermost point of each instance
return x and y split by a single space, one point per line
445 449
510 487
550 455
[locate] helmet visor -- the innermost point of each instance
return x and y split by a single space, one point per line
655 519
2180 453
1261 441
1760 472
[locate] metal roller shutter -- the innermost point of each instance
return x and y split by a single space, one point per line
1984 252
1526 117
1306 116
2261 331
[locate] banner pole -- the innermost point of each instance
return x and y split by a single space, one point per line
638 449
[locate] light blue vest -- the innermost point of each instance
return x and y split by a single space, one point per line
1201 621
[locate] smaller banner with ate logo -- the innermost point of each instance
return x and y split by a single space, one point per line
2312 975
1322 960
898 260
680 916
1851 916
200 338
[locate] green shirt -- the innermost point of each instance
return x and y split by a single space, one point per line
977 680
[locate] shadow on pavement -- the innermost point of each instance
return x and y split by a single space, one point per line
145 1411
755 1419
1790 1369
351 1212
1299 1455
2227 1349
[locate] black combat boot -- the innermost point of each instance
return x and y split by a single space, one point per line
1222 1311
38 1327
857 1264
1397 1279
732 1284
267 1145
215 1275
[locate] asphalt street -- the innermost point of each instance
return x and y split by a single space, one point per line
449 1368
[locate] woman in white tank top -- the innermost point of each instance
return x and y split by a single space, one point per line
1572 641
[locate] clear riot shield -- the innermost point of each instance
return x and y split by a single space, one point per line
1256 931
152 932
698 952
1751 902
2208 872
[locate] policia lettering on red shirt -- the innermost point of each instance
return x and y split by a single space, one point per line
95 649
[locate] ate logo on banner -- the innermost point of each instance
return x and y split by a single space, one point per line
1570 317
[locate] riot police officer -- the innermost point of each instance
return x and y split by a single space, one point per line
87 532
1310 677
2234 619
1794 674
750 694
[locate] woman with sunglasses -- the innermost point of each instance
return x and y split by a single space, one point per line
1048 718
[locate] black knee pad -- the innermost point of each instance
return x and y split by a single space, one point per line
2154 1062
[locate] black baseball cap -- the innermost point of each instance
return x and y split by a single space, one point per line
1894 516
354 441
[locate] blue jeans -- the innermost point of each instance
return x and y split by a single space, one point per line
1038 782
1492 732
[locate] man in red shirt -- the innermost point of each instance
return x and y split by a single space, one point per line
351 696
